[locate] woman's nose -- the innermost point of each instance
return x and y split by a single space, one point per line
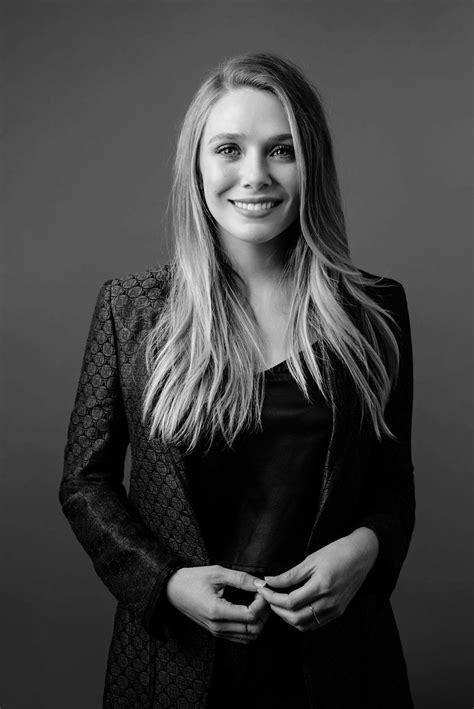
255 172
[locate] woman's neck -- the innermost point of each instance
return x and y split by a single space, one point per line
261 266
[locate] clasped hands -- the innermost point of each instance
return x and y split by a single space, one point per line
330 578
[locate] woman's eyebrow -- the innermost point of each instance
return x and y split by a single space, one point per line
236 136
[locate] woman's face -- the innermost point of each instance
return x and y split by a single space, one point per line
248 166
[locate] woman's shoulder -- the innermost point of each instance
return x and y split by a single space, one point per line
140 289
153 277
389 294
371 280
383 289
132 295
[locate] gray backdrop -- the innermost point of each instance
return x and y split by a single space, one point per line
94 97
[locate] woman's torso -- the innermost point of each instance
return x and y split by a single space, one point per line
256 503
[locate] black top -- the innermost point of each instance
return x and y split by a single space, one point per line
256 503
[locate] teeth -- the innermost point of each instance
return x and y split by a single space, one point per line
255 207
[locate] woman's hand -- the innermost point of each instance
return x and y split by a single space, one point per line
197 592
333 575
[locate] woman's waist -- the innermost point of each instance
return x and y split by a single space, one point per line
270 568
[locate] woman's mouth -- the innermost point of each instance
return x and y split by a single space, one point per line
255 208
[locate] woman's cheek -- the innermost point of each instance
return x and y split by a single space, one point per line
224 177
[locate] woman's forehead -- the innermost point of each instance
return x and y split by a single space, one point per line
247 112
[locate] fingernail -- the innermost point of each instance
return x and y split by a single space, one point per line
259 583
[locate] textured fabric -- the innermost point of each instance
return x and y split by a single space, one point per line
135 540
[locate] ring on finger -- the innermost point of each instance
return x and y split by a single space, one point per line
314 614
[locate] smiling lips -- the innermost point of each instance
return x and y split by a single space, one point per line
257 206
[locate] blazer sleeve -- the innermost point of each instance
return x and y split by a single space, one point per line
390 503
133 563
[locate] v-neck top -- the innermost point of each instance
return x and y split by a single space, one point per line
256 502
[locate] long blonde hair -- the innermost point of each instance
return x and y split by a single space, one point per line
204 354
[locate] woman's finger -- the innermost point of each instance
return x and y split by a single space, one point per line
259 607
316 614
226 611
251 630
309 592
234 578
275 598
296 599
304 618
288 601
292 576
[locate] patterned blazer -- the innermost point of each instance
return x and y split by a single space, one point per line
158 657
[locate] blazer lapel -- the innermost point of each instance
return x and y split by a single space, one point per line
344 404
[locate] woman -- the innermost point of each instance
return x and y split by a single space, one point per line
265 387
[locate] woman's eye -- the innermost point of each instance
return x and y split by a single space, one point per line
285 151
280 151
229 150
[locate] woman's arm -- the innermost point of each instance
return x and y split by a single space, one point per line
132 563
140 571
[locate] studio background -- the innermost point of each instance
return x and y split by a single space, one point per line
94 96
